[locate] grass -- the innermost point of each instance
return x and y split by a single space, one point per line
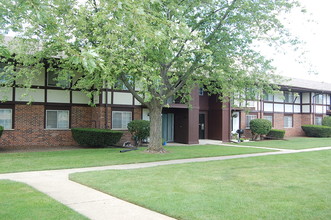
19 201
291 186
293 143
16 162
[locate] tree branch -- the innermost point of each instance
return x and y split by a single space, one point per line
132 90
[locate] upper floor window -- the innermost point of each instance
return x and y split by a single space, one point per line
5 76
319 99
249 118
6 118
289 97
200 91
53 79
57 119
268 97
121 119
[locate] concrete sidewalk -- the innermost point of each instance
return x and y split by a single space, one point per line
97 205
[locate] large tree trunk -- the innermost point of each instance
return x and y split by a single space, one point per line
155 115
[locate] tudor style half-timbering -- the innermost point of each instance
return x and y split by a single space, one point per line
298 102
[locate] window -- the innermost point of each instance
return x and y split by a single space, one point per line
319 99
52 80
248 120
318 120
5 77
57 119
6 118
268 117
200 91
288 121
289 97
268 97
120 119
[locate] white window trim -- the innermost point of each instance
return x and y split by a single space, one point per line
291 126
11 114
247 122
57 122
122 127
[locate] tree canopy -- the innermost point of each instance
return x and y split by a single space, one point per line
157 48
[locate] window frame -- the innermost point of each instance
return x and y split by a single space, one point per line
12 117
292 122
272 119
124 128
248 121
289 97
61 82
57 121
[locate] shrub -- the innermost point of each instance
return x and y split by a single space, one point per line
259 127
1 130
139 130
316 130
326 121
93 137
276 134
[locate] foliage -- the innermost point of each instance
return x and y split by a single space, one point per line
139 130
276 134
164 48
316 130
259 126
326 121
93 137
1 130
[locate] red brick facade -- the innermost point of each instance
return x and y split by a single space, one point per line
29 126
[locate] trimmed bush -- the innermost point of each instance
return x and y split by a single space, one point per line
93 137
259 126
316 130
1 130
326 121
139 130
276 134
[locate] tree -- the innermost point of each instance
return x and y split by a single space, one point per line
158 49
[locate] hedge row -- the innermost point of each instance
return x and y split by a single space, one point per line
276 134
316 130
93 137
1 130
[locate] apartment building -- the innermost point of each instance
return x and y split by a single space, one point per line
297 103
51 108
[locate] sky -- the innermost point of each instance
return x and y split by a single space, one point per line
316 34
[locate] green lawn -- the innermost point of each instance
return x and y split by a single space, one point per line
293 143
291 186
20 201
15 162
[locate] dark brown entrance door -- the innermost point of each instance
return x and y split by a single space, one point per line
202 125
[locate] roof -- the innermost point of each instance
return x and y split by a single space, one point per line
307 85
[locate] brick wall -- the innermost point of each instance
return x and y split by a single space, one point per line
29 128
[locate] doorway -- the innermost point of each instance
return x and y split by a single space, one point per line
202 126
168 127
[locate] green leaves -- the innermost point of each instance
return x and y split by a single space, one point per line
168 47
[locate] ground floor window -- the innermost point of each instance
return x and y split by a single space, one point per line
288 121
6 118
57 119
249 118
269 118
120 119
318 120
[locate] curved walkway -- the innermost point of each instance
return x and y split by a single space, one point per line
97 205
